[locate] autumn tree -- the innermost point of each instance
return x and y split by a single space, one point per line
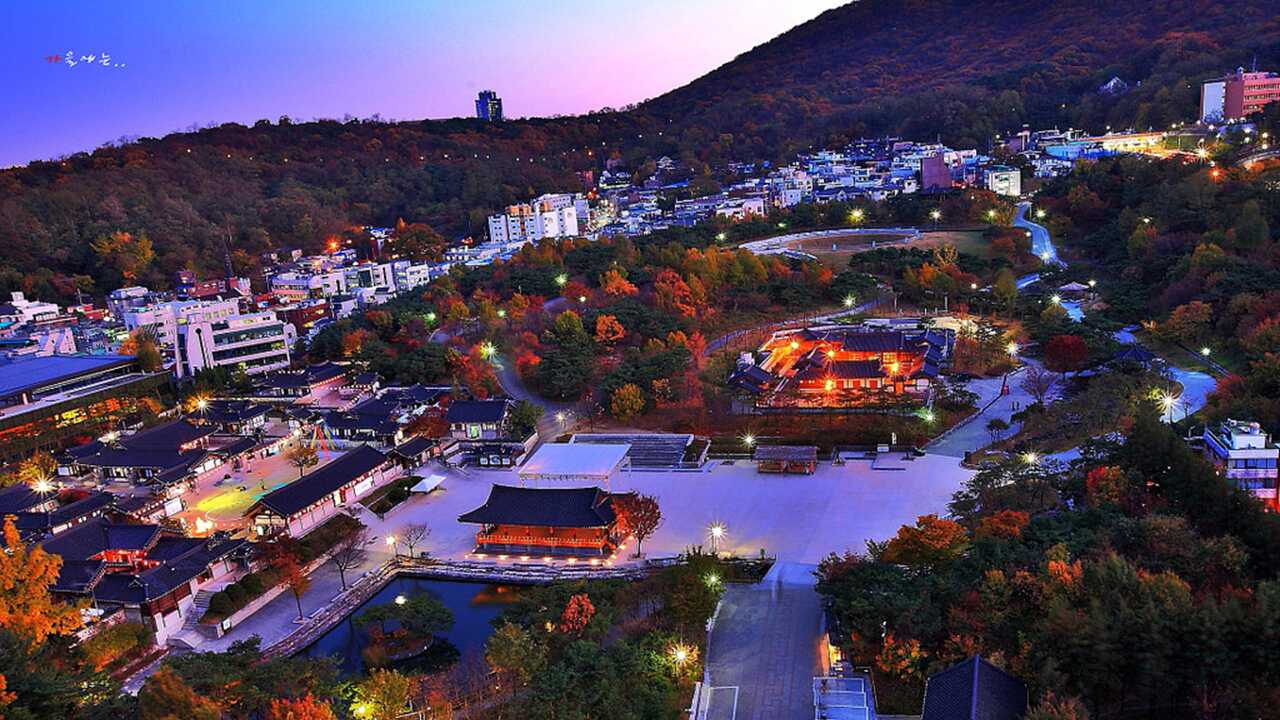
1005 524
38 471
639 514
615 285
609 330
1065 353
126 254
1053 707
294 578
307 707
577 615
144 344
302 456
417 242
565 369
384 694
626 402
931 542
165 696
27 608
350 553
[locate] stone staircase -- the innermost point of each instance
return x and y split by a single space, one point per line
188 637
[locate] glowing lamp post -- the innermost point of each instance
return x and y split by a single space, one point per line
749 440
849 300
400 600
1205 351
935 216
1040 213
1012 349
856 215
1030 457
562 279
431 317
716 533
391 543
721 237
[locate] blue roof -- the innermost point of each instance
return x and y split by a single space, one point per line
974 690
28 373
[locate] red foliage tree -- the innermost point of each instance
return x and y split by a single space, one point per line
1065 353
577 614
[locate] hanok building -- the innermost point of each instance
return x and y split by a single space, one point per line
306 503
232 417
1244 454
151 575
165 454
546 522
974 690
45 402
299 386
798 459
479 432
834 366
381 420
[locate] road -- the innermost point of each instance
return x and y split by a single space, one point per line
549 425
766 644
718 344
1041 245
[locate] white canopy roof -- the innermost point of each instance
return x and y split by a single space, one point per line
574 461
427 484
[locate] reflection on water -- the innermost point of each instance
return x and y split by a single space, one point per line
474 606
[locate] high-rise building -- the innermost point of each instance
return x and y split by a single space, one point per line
489 106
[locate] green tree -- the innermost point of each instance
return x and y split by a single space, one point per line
165 696
567 359
515 653
523 419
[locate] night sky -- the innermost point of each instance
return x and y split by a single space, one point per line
173 64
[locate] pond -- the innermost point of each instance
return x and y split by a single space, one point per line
474 607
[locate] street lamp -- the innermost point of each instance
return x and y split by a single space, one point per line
42 486
721 236
1205 351
749 440
1012 348
935 215
400 600
856 215
560 417
991 214
716 533
849 300
1167 402
487 350
502 313
1056 299
973 286
712 580
928 416
1030 457
1040 213
391 543
431 317
1093 283
561 279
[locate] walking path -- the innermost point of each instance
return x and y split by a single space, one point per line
764 647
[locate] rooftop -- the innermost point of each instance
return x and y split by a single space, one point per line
31 373
974 690
477 411
544 507
584 460
326 479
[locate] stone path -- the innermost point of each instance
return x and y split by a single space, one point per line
766 644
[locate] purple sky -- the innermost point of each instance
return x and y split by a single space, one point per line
197 62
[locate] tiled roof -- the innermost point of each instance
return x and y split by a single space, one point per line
95 536
974 690
544 507
477 411
320 482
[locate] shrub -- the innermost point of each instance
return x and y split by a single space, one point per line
236 593
221 605
252 584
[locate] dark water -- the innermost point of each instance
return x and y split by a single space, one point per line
474 606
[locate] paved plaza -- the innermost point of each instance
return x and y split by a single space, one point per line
799 518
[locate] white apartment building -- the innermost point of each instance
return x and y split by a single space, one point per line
547 216
20 311
1243 452
1003 180
296 286
374 275
257 342
164 318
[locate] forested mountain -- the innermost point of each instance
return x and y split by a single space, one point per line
960 70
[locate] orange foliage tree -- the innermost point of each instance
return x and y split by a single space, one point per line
1003 524
27 609
932 541
609 330
303 708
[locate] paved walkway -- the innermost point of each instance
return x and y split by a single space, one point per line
766 644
